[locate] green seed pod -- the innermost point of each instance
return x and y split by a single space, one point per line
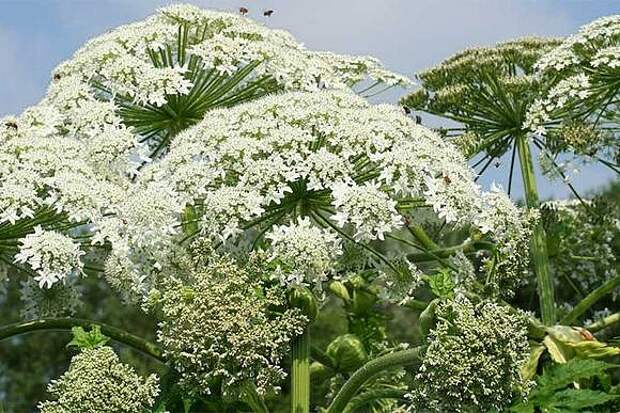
363 301
319 372
347 352
427 318
340 290
302 298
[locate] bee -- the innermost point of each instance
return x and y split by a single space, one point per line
407 110
447 179
267 13
56 76
11 124
243 10
498 164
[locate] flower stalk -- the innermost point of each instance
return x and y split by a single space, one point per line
538 244
369 370
590 300
300 377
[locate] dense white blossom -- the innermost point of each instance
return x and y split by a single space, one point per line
51 254
370 210
473 360
264 162
97 382
123 59
305 253
582 74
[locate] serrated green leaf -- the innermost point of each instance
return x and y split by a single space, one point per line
442 284
562 375
575 399
83 339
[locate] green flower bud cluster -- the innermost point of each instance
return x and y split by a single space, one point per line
97 382
580 138
223 326
487 90
473 360
459 74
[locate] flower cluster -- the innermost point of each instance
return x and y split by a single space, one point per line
71 161
583 70
473 360
350 168
41 169
160 75
98 382
224 324
134 59
51 254
486 89
305 253
368 209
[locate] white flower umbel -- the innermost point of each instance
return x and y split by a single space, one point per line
52 255
582 75
306 254
134 59
258 165
371 211
159 76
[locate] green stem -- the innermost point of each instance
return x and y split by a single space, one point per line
421 235
591 299
608 321
66 324
466 248
368 371
300 397
357 404
539 243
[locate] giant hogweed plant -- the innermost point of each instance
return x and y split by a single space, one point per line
231 185
487 92
520 96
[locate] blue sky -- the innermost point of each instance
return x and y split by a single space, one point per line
407 35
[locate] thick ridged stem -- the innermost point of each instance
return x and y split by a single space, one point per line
368 371
66 324
608 321
540 256
300 376
590 299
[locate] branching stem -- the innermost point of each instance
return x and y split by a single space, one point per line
66 324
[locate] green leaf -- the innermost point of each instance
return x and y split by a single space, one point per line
528 371
523 408
563 375
575 399
83 339
442 284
